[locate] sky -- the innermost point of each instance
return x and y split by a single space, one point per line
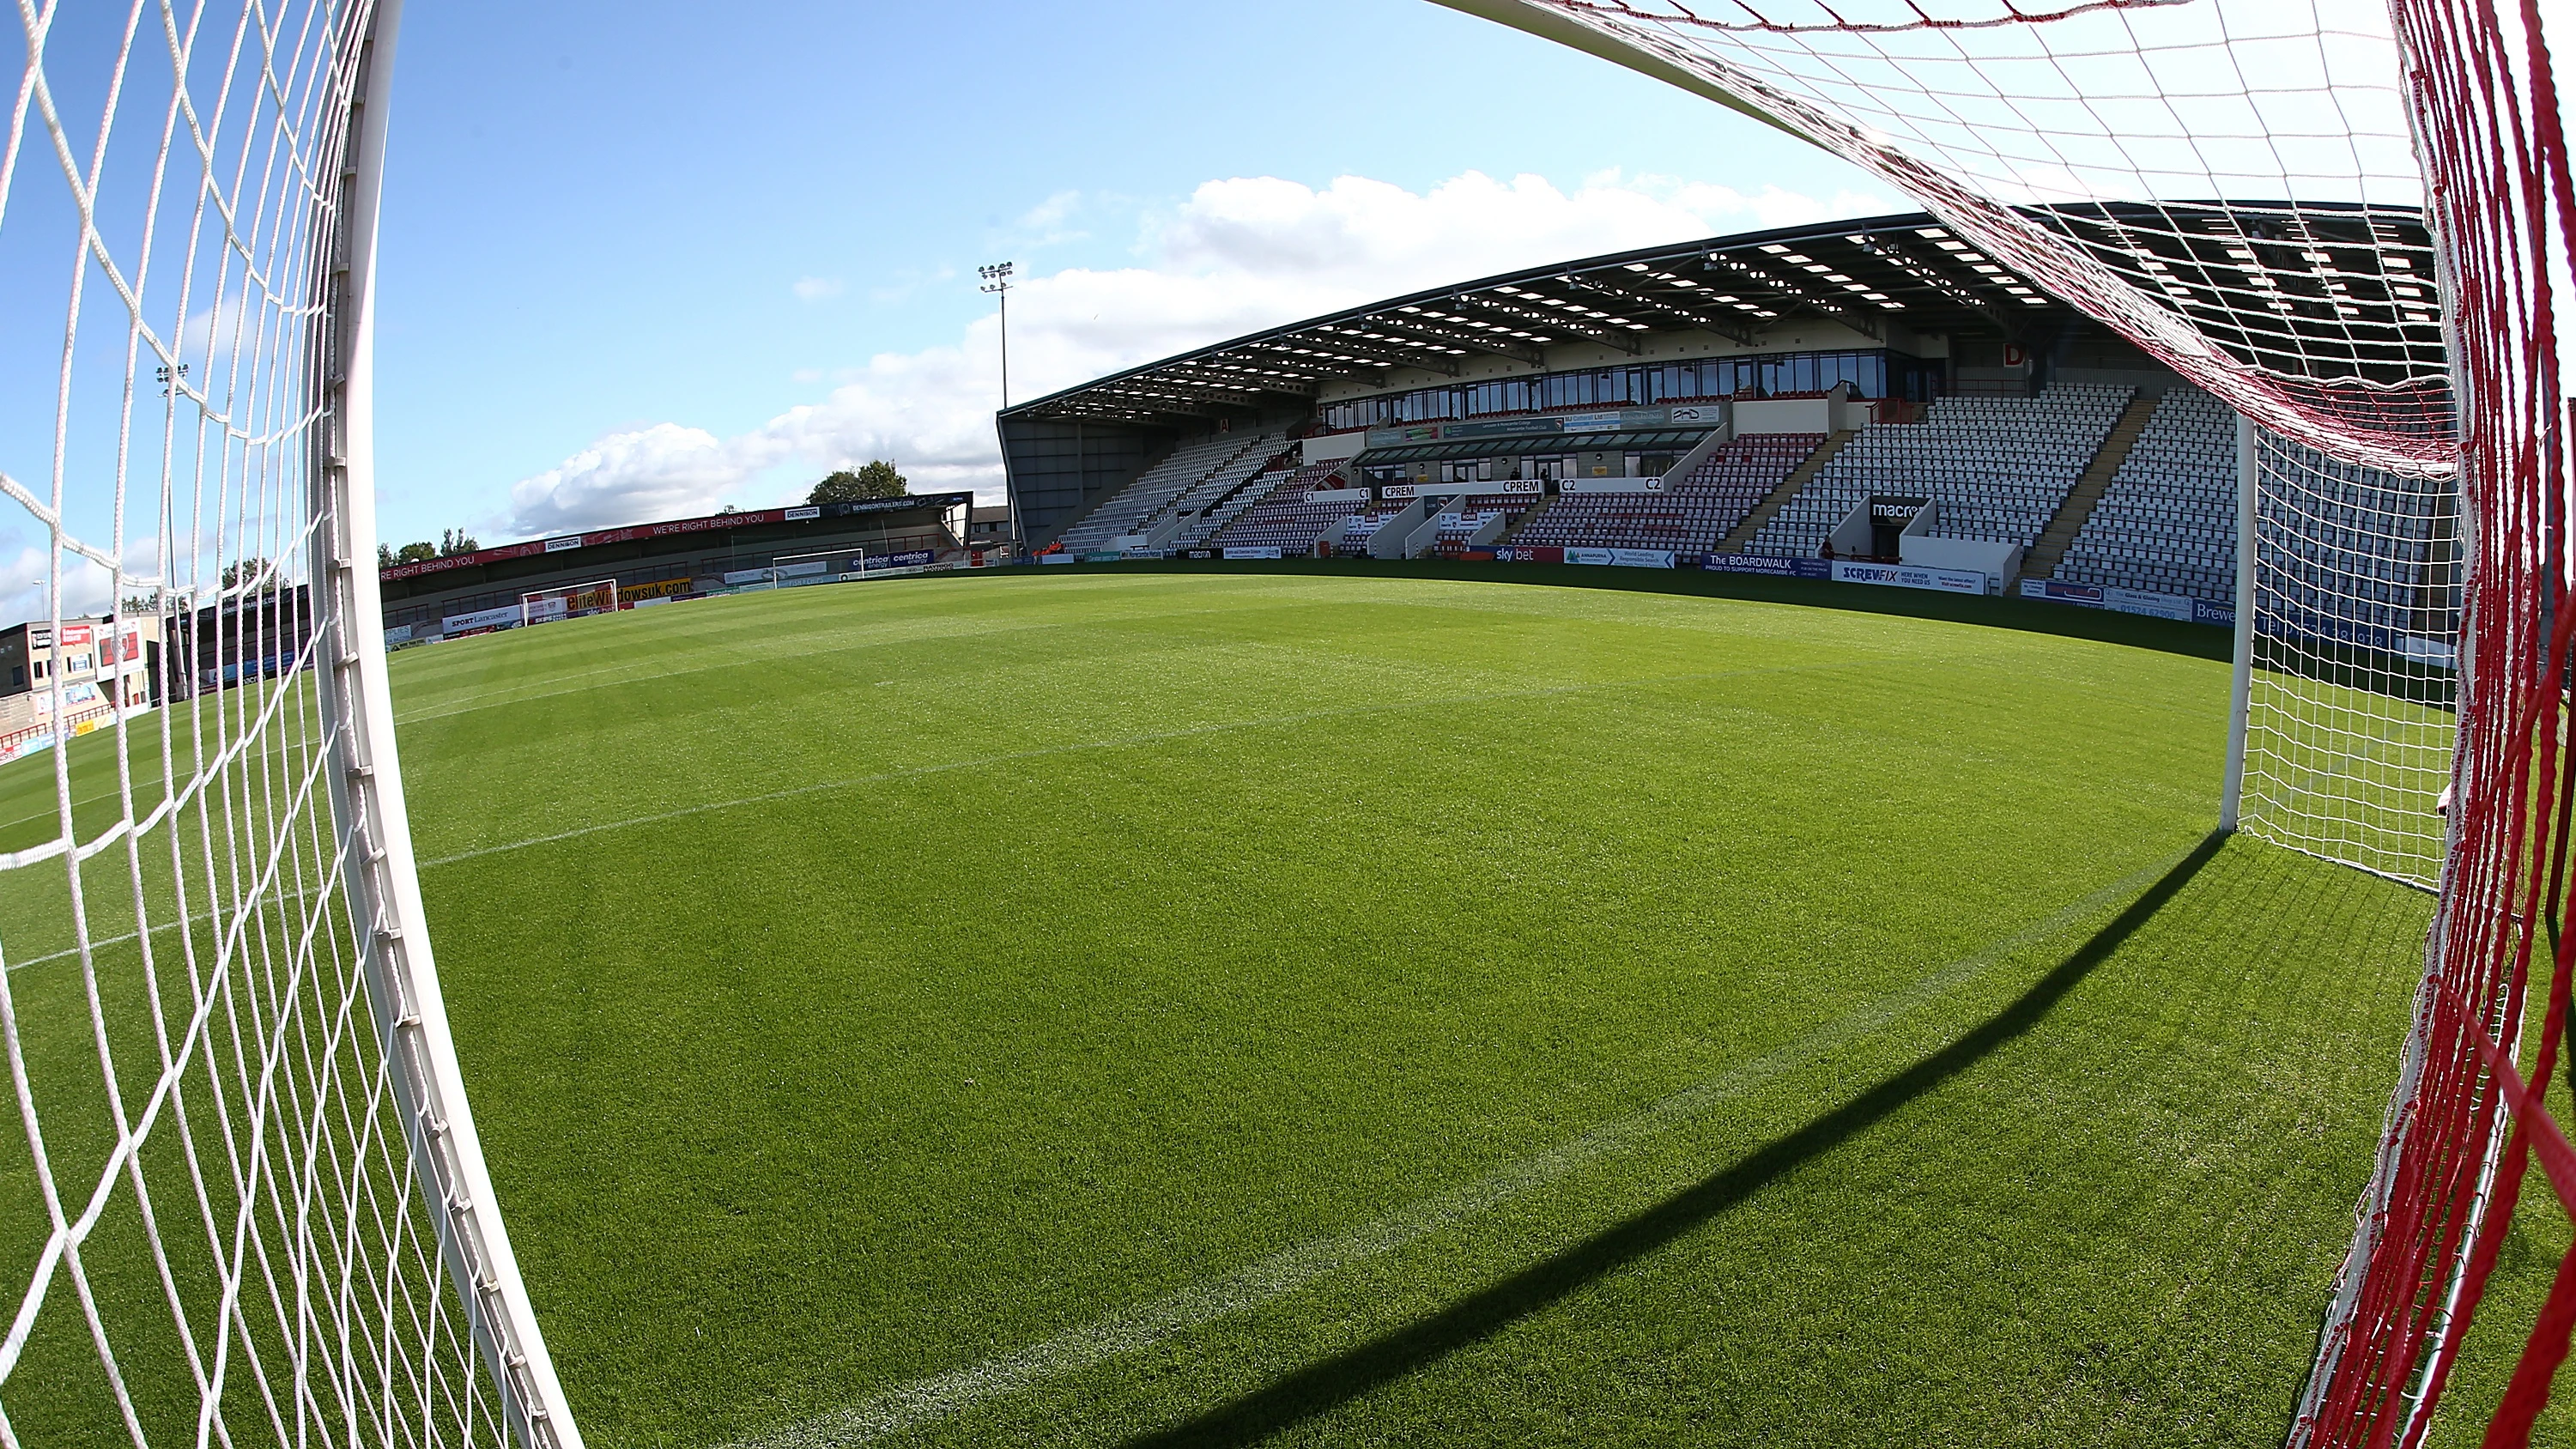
637 263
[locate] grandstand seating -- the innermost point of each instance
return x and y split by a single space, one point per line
1692 513
1362 525
1217 486
2167 522
1154 490
1228 508
2355 555
1282 518
2001 467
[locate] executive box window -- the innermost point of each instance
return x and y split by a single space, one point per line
1872 374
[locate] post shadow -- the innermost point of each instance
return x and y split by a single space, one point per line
1326 1385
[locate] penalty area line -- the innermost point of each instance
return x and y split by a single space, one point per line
940 1396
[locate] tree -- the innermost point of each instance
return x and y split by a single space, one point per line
455 541
240 573
412 553
876 480
384 557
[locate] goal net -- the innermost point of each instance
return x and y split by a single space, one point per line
2350 222
572 601
245 1203
2352 584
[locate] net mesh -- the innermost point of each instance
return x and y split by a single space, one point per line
571 601
2350 222
245 1204
2356 595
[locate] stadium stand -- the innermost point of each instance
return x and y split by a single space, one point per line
1692 513
1157 488
1218 486
2167 522
2358 556
1361 527
2000 467
1283 518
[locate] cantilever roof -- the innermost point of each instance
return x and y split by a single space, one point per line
2322 265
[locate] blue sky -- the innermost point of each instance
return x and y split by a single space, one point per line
640 259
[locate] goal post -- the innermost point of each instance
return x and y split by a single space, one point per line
390 925
246 1203
2231 794
568 601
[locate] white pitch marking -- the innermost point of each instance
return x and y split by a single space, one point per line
925 1400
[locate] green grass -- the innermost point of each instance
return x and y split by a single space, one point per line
1593 1016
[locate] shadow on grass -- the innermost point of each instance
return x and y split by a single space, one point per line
1321 1387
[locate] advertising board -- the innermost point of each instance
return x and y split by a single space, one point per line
908 559
2205 612
2057 591
1770 565
799 515
560 545
1240 550
1632 558
1910 576
2158 606
26 744
1528 553
505 617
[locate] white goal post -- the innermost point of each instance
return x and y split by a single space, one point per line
568 601
247 1203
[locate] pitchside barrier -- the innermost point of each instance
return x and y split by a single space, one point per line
1848 571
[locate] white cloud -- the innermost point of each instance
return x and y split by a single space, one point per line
87 586
818 289
1238 255
664 471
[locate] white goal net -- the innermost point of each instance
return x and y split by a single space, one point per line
246 1203
2349 672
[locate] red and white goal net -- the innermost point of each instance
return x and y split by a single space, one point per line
2350 222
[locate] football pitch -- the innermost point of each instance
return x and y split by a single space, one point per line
1155 1008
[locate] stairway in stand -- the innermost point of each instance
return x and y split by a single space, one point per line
1743 533
2041 560
1545 502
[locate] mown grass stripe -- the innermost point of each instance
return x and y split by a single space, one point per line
1209 1300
